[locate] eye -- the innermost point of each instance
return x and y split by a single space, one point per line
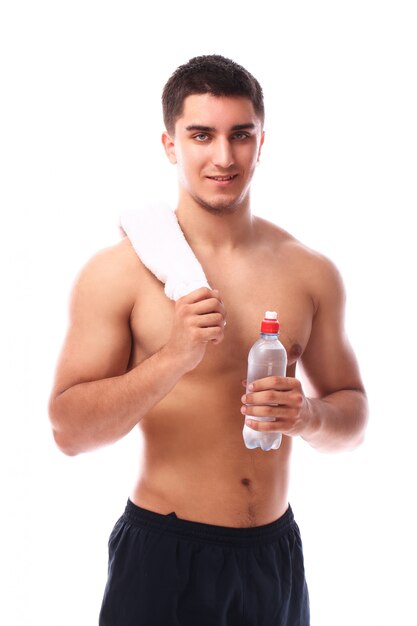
241 136
201 137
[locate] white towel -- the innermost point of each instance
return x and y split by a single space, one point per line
158 240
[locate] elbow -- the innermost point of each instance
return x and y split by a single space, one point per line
64 444
356 441
362 421
61 433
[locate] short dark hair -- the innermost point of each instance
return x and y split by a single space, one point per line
212 74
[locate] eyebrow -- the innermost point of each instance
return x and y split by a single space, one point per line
211 129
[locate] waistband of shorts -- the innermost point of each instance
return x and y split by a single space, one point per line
208 533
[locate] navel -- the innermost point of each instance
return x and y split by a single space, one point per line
246 481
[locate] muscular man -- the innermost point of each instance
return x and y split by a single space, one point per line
208 537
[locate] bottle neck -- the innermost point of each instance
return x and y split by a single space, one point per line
269 336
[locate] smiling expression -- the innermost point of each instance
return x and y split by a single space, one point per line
217 144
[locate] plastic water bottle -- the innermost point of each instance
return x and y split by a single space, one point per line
267 357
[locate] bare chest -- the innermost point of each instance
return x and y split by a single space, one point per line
210 468
247 292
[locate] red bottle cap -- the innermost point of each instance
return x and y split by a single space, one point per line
270 323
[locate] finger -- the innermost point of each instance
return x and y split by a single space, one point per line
199 294
210 320
263 426
244 382
269 412
279 383
270 397
214 334
209 305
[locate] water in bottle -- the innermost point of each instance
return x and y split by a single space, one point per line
267 357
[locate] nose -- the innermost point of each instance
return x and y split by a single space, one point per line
222 153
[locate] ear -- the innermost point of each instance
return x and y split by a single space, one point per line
169 145
260 145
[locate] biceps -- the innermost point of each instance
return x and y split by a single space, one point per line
93 351
330 363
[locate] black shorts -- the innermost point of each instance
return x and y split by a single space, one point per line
165 571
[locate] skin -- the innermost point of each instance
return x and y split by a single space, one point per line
134 359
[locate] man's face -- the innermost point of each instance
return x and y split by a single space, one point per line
216 147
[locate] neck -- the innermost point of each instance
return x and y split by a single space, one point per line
210 232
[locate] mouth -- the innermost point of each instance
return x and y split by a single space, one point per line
223 180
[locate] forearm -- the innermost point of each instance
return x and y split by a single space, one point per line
337 421
93 414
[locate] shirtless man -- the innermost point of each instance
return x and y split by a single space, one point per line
208 537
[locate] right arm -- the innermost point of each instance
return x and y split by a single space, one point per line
95 401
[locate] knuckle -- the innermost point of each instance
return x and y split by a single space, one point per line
214 303
203 293
270 396
216 335
298 399
184 309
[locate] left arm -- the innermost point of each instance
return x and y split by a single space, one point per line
335 417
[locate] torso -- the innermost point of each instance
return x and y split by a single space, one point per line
194 459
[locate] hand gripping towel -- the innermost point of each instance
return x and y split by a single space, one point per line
158 240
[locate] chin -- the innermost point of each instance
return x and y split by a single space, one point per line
220 207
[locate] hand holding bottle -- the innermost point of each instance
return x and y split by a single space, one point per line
277 398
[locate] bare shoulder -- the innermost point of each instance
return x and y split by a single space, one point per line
115 260
314 269
109 277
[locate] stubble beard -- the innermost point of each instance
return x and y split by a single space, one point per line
220 208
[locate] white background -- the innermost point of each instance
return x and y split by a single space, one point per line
80 127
